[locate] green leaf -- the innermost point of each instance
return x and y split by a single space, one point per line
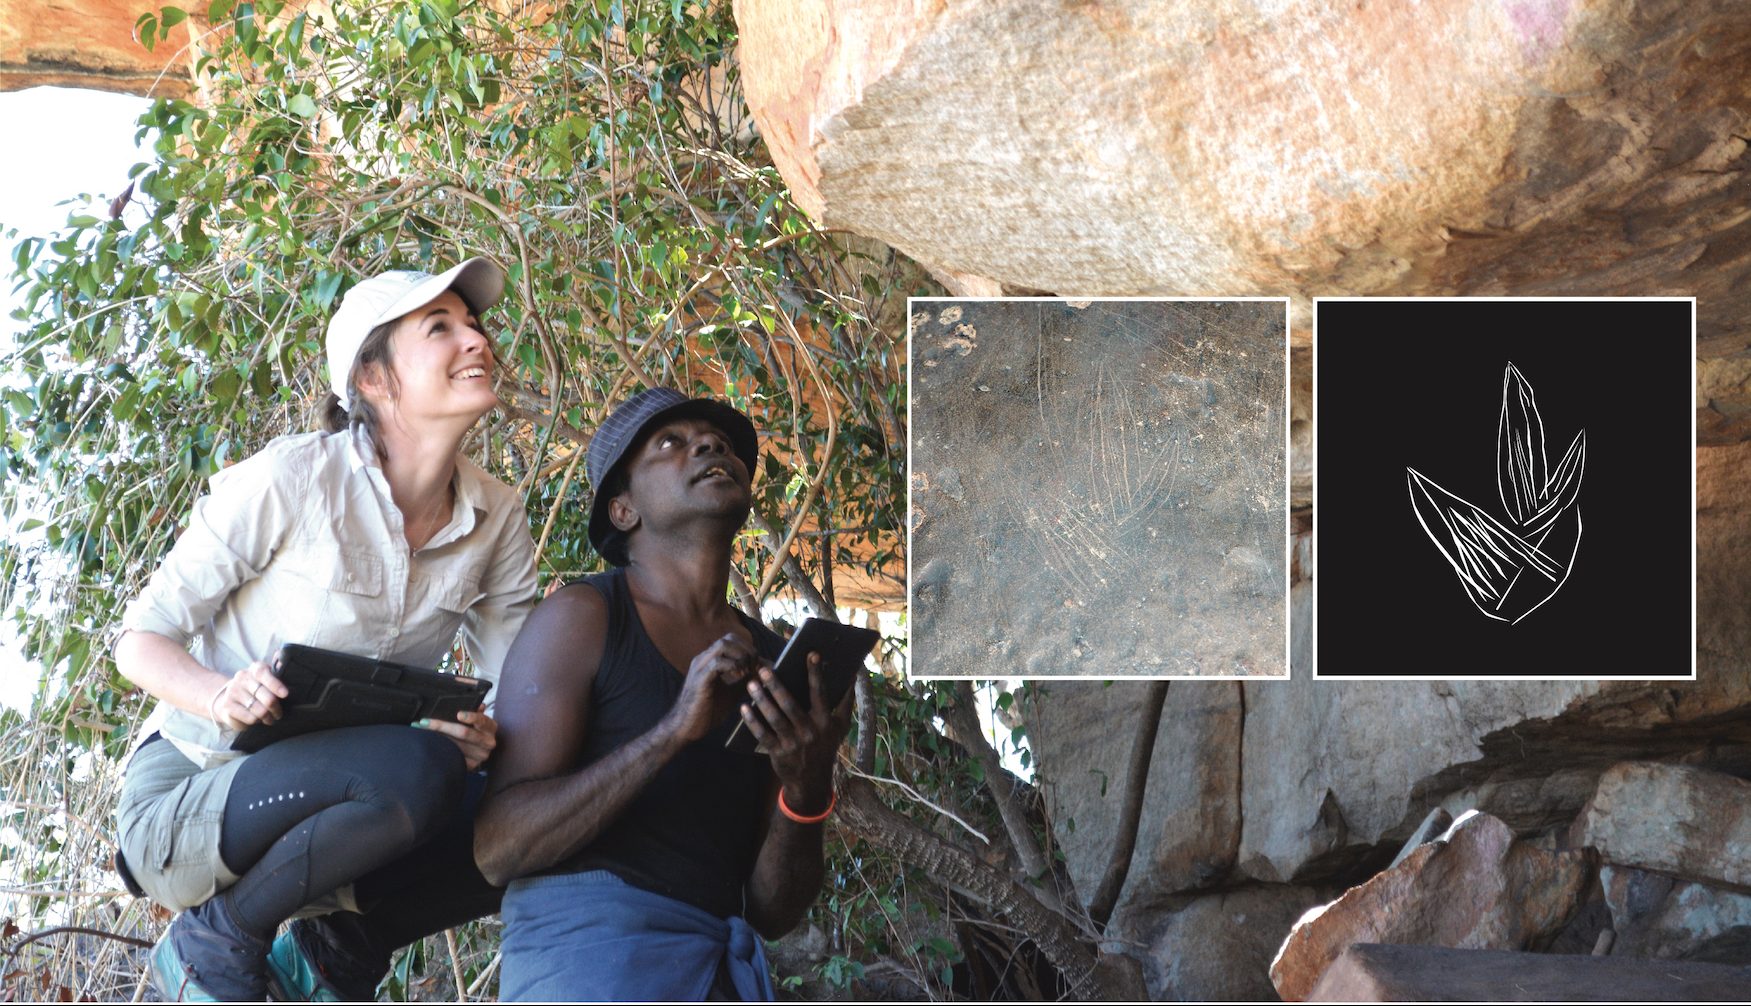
302 105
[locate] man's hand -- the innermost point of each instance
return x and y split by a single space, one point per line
475 733
802 743
250 696
710 692
803 746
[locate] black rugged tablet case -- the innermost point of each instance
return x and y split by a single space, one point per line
331 690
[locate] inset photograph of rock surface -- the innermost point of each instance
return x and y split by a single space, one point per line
1098 488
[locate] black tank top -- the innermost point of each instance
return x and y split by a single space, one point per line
694 832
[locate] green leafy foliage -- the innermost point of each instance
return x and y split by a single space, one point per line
890 930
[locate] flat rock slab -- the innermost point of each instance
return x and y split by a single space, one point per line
1673 818
1375 972
1098 489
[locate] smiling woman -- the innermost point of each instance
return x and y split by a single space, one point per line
375 538
442 350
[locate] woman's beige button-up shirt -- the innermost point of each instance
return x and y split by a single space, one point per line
301 543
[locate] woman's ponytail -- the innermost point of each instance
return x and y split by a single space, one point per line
332 418
373 352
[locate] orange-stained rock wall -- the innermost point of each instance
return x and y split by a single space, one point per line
91 44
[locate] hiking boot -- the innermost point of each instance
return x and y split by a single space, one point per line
171 979
294 977
203 957
311 962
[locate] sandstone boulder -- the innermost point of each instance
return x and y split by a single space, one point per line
1723 538
1673 818
1334 776
1475 887
1320 794
1128 147
1319 797
1219 946
1432 828
90 44
1082 733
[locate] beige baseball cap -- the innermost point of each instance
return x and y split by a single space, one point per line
389 295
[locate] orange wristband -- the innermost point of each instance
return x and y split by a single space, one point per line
784 808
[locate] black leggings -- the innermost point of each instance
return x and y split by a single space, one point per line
389 809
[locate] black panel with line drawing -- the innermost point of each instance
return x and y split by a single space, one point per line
1503 489
1098 488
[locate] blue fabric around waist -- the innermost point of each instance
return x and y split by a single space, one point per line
593 936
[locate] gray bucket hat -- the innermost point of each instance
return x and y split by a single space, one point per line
615 437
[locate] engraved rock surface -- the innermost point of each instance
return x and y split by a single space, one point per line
1098 491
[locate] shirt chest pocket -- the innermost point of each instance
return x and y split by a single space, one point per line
456 592
438 603
349 571
328 597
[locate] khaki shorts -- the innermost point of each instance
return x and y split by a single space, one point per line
169 818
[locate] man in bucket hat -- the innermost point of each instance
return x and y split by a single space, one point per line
651 859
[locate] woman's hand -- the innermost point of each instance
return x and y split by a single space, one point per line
475 733
250 696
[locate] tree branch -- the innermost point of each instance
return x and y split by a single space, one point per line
962 723
43 934
862 810
540 421
864 756
793 569
744 595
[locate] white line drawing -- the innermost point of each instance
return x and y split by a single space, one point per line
1493 556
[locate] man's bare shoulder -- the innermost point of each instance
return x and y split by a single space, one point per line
579 600
560 643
